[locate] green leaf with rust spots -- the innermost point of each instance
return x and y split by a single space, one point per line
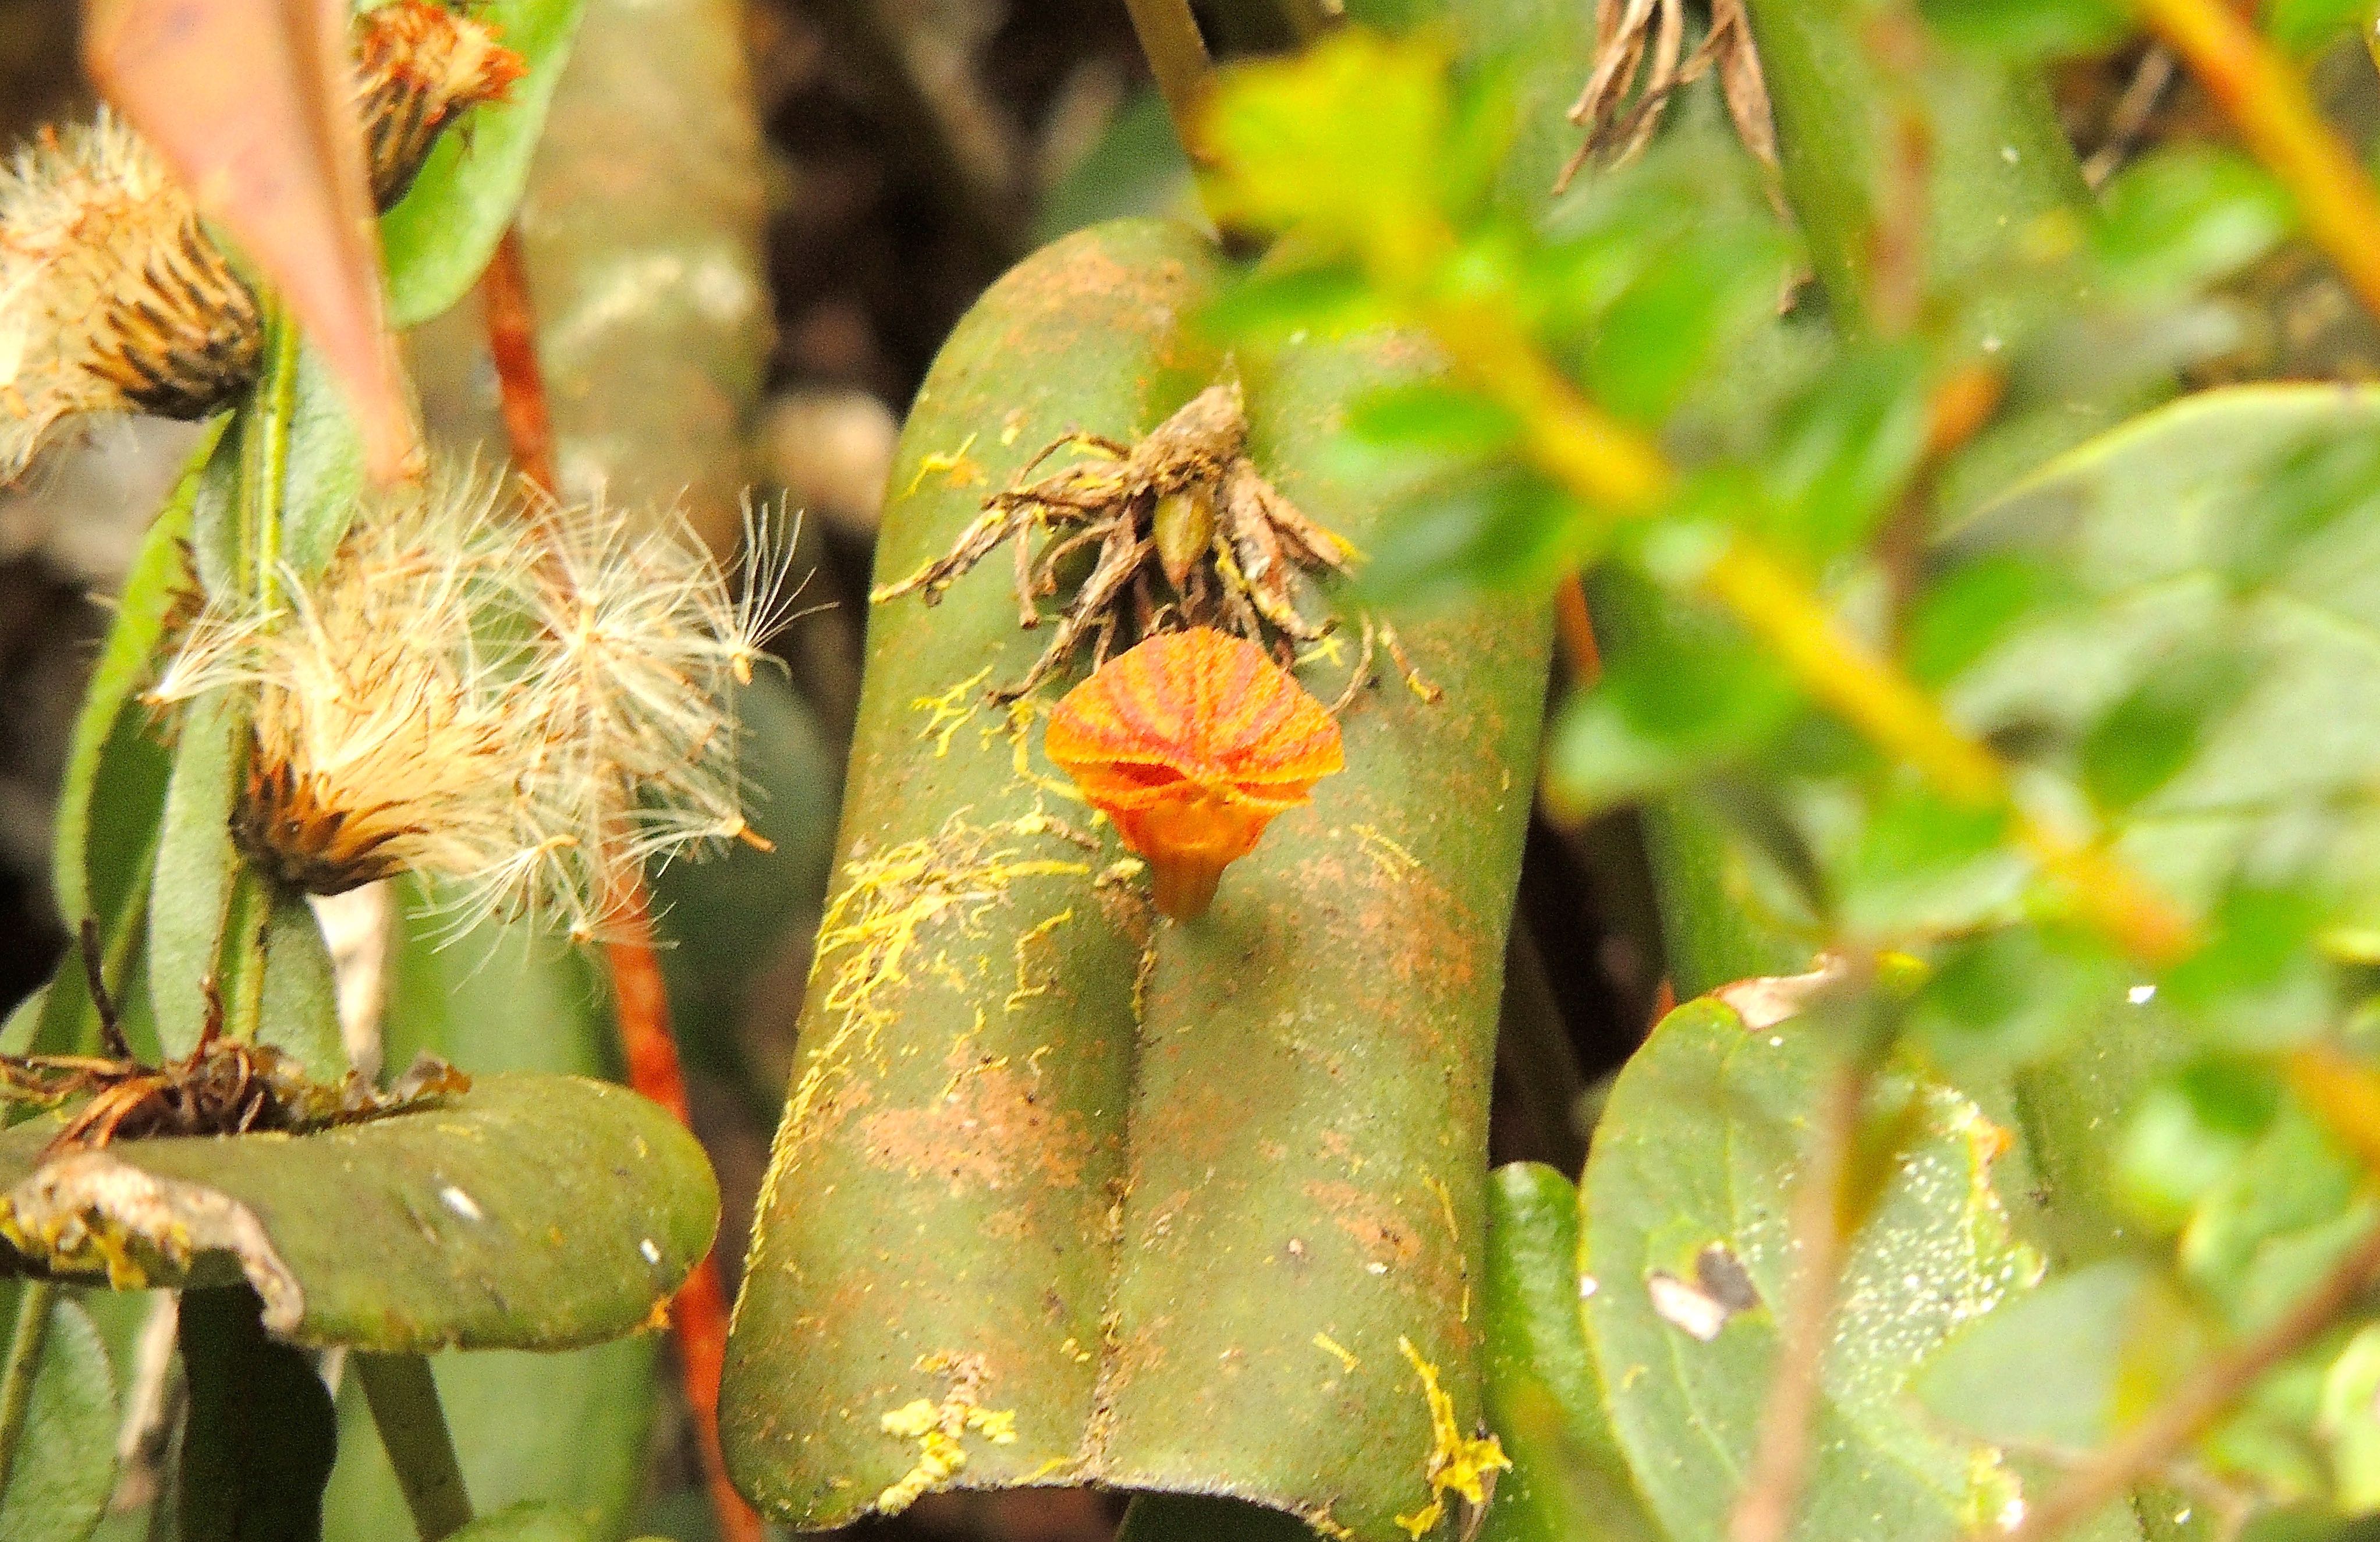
937 1223
1569 1481
1693 1160
981 1233
1309 1125
436 240
62 1464
531 1212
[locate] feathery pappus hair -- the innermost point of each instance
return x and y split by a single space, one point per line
114 298
448 699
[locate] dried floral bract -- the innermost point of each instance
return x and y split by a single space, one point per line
524 700
1182 530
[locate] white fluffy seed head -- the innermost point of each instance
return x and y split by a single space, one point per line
526 703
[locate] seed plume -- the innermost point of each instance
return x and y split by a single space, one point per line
519 700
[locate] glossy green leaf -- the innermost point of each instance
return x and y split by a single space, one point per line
62 1464
2043 1369
1695 1152
437 239
1569 1481
257 1440
531 1212
1045 1162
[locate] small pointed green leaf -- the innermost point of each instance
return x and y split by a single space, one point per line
113 758
189 901
531 1212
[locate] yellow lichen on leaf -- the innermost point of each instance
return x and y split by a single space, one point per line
872 926
1457 1463
939 1430
1336 1350
961 468
950 712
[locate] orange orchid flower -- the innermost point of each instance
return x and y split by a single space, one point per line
1192 743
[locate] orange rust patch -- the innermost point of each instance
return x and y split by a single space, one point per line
990 1131
1375 1224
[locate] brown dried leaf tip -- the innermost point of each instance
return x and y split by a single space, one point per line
1644 39
222 1087
113 296
1187 533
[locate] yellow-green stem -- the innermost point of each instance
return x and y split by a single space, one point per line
2268 101
264 471
1620 472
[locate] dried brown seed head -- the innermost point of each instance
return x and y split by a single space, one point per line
418 65
113 298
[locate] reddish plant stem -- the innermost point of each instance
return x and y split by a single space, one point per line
520 380
639 999
1574 629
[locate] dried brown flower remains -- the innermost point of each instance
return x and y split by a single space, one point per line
1645 39
113 296
222 1087
1185 507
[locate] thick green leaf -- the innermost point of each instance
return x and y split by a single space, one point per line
190 902
434 243
943 1184
986 1200
501 1000
1696 1151
62 1464
1569 1481
259 1438
531 1212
